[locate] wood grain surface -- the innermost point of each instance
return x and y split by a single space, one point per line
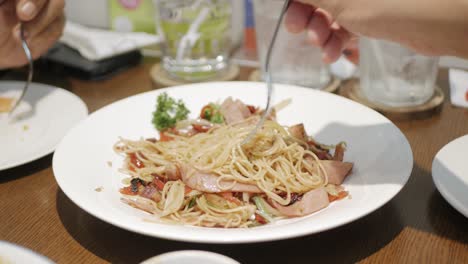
417 226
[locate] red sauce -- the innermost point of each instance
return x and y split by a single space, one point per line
260 219
187 190
158 183
200 128
252 109
163 137
127 191
135 161
340 196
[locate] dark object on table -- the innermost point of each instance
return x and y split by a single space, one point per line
65 60
3 72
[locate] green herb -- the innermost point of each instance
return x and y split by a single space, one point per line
212 114
217 118
208 113
168 112
264 209
192 202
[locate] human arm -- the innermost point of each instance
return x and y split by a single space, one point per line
430 27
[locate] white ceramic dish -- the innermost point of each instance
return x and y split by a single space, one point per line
38 124
190 257
382 156
11 253
450 173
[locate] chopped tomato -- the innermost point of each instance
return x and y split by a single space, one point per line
252 109
127 191
187 190
200 128
159 184
340 196
164 137
206 109
260 219
135 161
135 186
229 197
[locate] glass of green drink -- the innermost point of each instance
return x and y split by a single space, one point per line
197 37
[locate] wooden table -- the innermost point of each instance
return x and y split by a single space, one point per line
417 226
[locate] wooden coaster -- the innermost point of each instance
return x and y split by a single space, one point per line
162 78
351 89
331 87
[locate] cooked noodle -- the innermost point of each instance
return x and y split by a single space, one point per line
273 161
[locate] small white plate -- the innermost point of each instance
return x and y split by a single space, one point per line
381 154
450 173
190 257
38 124
12 253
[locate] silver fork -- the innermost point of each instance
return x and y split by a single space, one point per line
28 54
268 79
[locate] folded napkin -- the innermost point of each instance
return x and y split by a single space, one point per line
458 87
97 44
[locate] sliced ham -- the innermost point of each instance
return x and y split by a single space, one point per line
206 182
140 203
152 193
336 170
234 111
339 152
311 202
298 131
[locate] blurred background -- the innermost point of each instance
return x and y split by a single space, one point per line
114 15
213 40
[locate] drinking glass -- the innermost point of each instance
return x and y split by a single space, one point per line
294 60
395 76
197 37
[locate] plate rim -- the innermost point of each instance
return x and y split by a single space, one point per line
51 148
217 240
439 182
25 252
172 256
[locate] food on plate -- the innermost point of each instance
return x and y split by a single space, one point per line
5 104
198 172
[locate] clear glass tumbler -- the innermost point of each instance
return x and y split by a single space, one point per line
197 37
294 60
395 76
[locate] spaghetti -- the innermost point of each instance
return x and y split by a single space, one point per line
209 179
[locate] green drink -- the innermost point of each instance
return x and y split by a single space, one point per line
197 37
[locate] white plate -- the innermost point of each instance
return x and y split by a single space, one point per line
12 253
450 173
190 257
38 124
382 156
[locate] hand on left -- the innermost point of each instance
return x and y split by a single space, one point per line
43 22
